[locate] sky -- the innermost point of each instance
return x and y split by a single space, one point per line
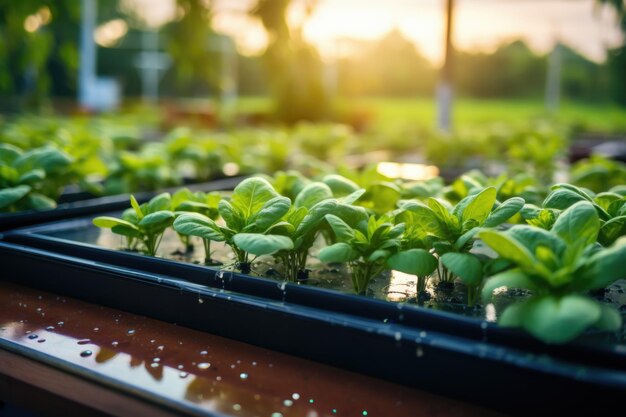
480 25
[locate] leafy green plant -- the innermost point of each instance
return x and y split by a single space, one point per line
184 200
32 180
611 208
559 267
254 211
417 261
451 230
598 173
364 247
142 224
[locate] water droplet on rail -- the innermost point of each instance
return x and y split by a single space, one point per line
243 375
204 352
419 352
237 407
32 336
115 343
154 365
86 353
287 403
180 366
397 336
204 365
61 323
50 328
130 332
156 360
277 415
295 396
183 374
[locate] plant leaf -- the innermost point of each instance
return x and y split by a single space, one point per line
271 212
339 252
9 196
417 262
260 244
465 265
504 212
513 278
250 196
312 194
579 224
342 231
195 224
480 206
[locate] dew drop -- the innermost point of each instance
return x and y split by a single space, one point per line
156 360
50 328
154 365
130 332
334 410
200 301
32 336
115 343
277 415
183 374
243 375
61 323
27 332
419 352
160 348
311 401
204 365
96 329
204 352
180 366
364 412
423 334
236 407
86 353
397 336
287 403
295 396
83 341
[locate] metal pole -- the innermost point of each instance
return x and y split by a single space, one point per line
553 80
444 89
87 69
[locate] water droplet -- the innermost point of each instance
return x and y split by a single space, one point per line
156 360
232 366
238 361
218 378
50 328
32 336
41 340
311 401
334 410
364 412
130 332
253 363
39 309
160 347
204 365
61 323
419 352
277 415
83 341
483 325
236 407
152 340
115 343
154 365
200 301
243 375
423 334
27 332
86 353
287 403
204 352
180 366
183 374
96 329
295 396
397 336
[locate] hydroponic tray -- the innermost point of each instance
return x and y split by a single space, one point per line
443 352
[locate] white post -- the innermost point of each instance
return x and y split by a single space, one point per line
553 79
87 69
444 89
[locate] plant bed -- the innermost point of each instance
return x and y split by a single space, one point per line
78 204
394 349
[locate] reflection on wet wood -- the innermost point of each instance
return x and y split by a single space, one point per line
198 371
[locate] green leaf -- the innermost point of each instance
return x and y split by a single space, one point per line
422 217
559 320
135 205
531 237
610 319
32 177
312 194
382 197
508 248
259 244
353 197
579 224
340 186
339 252
250 196
562 199
611 230
480 207
342 231
464 265
513 278
9 196
38 201
47 158
9 153
127 231
513 315
159 203
607 266
314 217
195 224
271 212
107 222
158 220
417 262
504 212
465 238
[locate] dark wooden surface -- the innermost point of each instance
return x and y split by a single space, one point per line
109 361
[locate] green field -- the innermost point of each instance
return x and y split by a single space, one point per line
421 111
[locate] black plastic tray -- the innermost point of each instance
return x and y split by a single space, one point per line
75 207
441 352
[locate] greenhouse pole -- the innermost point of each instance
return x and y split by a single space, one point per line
87 70
444 89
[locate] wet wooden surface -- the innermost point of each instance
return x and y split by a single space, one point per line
128 365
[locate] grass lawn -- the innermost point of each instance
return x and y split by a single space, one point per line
421 111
